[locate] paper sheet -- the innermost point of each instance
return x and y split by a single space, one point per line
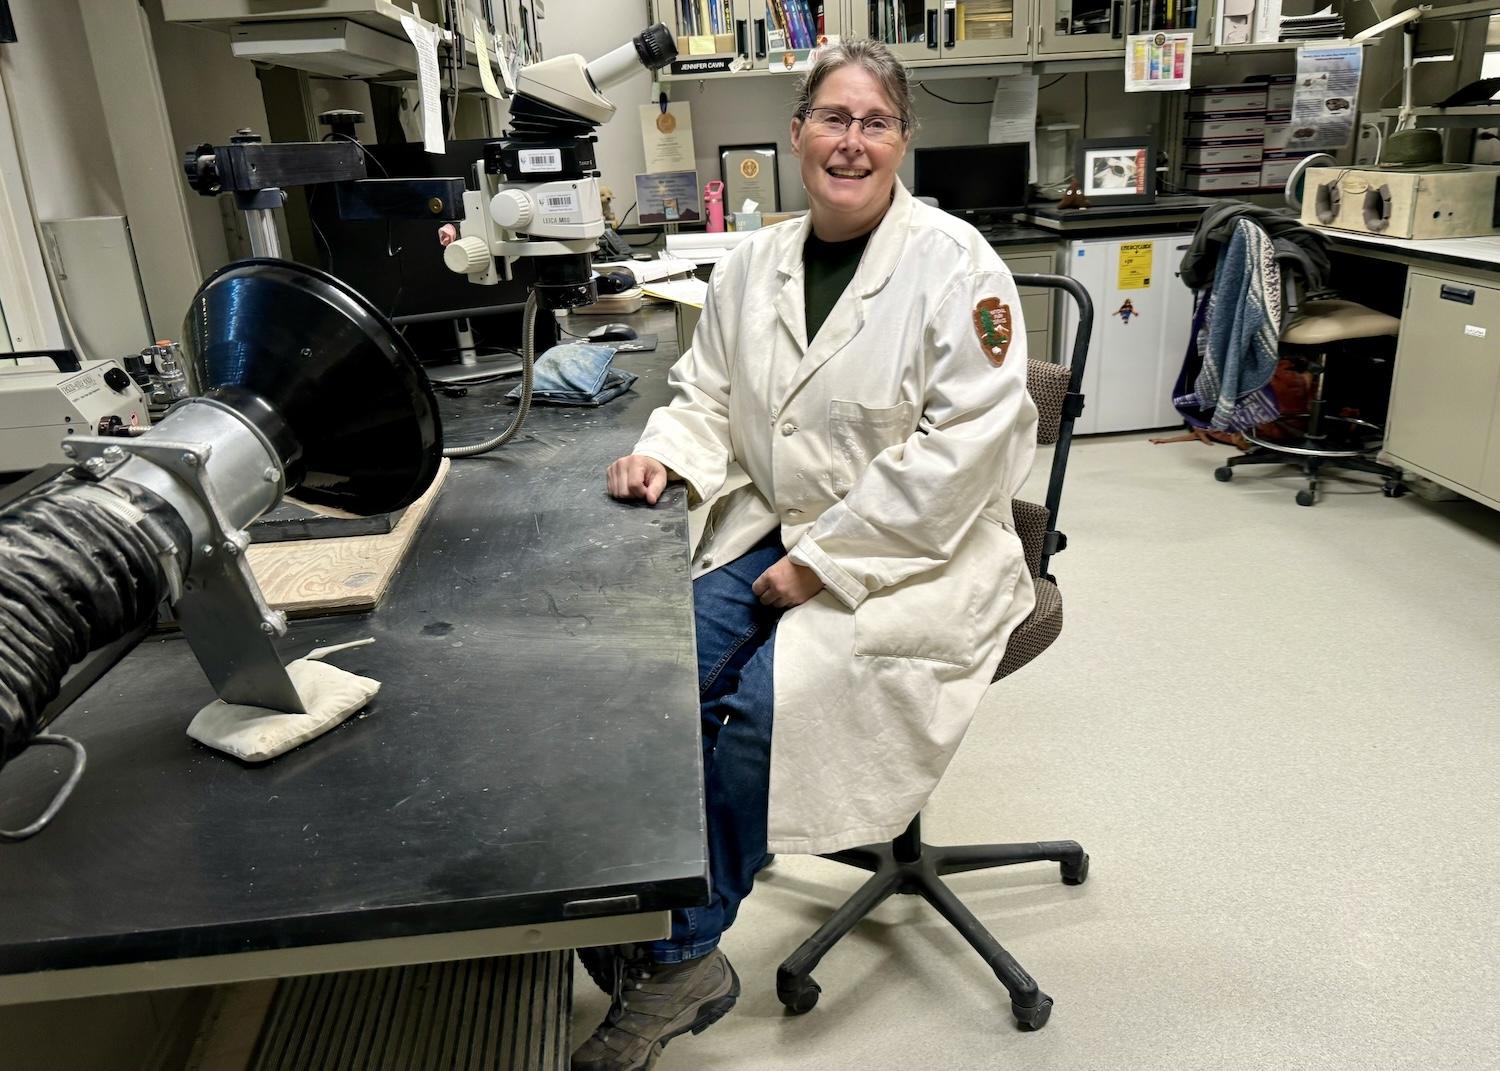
424 40
510 62
1013 113
1326 94
1158 61
649 271
668 137
692 292
486 71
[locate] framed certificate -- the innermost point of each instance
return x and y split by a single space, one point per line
750 173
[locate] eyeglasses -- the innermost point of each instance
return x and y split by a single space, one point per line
835 123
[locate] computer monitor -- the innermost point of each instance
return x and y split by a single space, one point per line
975 180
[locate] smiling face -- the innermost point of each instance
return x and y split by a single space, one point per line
849 177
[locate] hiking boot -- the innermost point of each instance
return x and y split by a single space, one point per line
654 1003
599 961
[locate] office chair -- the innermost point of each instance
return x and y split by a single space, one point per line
906 865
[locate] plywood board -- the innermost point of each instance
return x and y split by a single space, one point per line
307 577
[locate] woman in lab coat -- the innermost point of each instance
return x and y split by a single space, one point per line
865 366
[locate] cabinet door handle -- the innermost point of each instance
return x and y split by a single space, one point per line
950 28
742 37
932 40
760 38
1457 293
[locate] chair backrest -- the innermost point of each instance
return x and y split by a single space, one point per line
1056 391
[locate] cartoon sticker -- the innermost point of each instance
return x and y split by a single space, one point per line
992 323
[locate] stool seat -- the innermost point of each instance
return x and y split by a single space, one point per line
1334 320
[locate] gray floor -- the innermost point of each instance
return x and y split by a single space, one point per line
1277 732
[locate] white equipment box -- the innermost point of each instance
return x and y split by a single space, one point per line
42 403
1143 315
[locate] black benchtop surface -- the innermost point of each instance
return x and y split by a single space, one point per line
535 742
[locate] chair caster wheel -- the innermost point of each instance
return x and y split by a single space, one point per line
1393 489
1306 498
1034 1017
1223 473
799 995
1076 875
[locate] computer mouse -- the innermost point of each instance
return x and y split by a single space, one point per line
612 333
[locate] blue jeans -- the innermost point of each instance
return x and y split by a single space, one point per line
736 698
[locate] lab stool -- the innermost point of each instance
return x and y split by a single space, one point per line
1321 328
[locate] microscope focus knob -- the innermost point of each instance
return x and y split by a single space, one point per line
467 255
511 209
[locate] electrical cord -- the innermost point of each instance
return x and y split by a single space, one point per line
389 233
78 571
948 100
523 406
1052 83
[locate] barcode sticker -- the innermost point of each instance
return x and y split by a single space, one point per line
559 206
533 160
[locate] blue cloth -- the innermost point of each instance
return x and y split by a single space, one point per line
1236 337
576 373
736 641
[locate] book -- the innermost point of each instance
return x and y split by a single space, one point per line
801 13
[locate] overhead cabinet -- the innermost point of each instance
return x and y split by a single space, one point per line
929 32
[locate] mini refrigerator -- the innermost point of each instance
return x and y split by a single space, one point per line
1143 315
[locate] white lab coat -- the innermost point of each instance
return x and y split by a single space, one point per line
887 452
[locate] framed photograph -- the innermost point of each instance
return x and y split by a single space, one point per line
1117 171
667 197
750 172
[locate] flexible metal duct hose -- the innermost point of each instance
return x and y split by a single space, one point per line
78 570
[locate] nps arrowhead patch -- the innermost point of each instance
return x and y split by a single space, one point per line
992 323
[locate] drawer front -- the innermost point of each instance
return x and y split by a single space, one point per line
1036 308
1039 345
1444 398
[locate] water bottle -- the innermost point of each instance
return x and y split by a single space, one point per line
713 201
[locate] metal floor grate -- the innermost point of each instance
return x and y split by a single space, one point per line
507 1013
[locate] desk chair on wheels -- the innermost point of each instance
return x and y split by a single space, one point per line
906 865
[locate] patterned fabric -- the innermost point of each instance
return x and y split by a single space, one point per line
1047 384
1237 333
1031 526
1036 633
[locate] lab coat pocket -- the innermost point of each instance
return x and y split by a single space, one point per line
929 616
858 432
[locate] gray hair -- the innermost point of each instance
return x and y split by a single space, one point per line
876 59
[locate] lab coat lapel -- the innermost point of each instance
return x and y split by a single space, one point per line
848 316
790 301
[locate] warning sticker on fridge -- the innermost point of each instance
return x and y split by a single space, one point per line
1135 265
